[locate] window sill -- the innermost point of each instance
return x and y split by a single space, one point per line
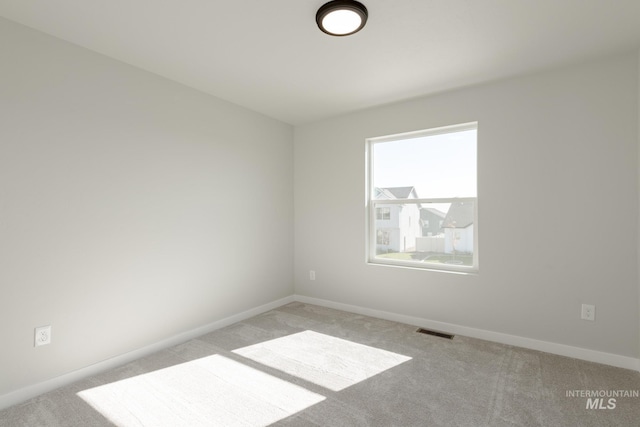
465 271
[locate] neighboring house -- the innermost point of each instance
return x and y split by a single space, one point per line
458 228
432 239
397 226
431 220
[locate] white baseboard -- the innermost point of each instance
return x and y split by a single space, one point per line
34 390
533 344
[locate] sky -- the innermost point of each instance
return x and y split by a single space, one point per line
442 165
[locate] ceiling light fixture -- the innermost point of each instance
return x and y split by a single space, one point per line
341 17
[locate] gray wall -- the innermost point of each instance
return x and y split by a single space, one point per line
131 208
557 150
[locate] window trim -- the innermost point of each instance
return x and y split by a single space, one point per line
371 204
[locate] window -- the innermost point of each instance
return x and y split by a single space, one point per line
426 178
383 213
382 237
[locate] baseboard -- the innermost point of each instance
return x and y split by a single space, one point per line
533 344
31 391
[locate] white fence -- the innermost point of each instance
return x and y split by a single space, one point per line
430 244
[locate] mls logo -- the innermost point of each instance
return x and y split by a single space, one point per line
598 403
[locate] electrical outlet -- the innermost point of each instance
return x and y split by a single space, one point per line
588 312
312 275
42 336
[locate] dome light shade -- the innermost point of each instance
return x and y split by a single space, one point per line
341 17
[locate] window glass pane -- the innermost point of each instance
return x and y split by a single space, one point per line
428 233
433 166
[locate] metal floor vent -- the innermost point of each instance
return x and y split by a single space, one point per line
435 333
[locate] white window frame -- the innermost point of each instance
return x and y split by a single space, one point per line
371 204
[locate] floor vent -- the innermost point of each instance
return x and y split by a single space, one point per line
435 333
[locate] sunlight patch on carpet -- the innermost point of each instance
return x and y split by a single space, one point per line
210 391
324 360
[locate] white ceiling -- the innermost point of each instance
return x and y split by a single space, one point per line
270 56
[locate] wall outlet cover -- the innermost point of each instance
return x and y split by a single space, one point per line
42 336
588 312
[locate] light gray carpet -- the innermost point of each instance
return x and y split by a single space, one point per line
304 365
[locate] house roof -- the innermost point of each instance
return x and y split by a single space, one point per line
460 215
383 193
434 211
400 192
